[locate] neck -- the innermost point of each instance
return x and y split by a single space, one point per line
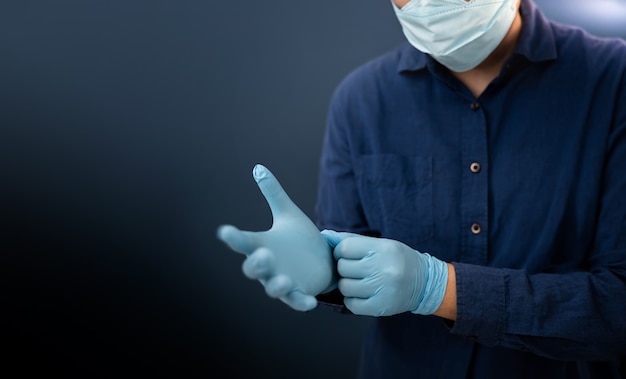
478 78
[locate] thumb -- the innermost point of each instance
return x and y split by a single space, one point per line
333 238
277 198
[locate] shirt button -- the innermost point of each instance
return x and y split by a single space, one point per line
476 228
474 106
475 167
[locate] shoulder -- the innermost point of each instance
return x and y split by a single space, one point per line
374 76
581 47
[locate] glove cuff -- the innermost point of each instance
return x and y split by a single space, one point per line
435 286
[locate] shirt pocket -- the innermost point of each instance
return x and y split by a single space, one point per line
397 195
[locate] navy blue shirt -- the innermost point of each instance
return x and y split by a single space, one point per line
523 189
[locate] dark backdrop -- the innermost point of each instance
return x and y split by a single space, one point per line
128 132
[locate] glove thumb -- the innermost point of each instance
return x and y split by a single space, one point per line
279 202
333 238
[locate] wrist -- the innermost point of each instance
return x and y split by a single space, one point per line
447 309
435 285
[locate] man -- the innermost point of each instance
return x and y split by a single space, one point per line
489 154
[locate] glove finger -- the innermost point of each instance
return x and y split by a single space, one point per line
362 307
276 197
353 268
278 286
238 240
259 264
355 247
299 301
357 288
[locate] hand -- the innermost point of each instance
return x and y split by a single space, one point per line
383 277
292 259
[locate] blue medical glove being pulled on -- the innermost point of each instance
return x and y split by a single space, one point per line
292 259
383 277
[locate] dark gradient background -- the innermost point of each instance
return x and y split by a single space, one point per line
128 132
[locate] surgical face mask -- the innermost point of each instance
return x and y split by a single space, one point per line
459 34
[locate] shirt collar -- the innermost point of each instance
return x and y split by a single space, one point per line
536 41
412 59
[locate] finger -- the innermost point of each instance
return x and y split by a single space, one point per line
238 240
357 288
352 268
362 307
259 265
276 197
355 247
279 285
299 301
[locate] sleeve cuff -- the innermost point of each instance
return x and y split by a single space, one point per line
481 303
332 300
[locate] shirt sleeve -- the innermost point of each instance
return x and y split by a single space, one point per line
570 316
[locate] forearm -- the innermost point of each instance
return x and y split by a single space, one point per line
577 315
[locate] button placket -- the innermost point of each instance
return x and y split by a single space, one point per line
475 185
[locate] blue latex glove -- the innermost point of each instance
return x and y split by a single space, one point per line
383 277
292 259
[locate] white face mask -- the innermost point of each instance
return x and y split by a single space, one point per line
458 34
